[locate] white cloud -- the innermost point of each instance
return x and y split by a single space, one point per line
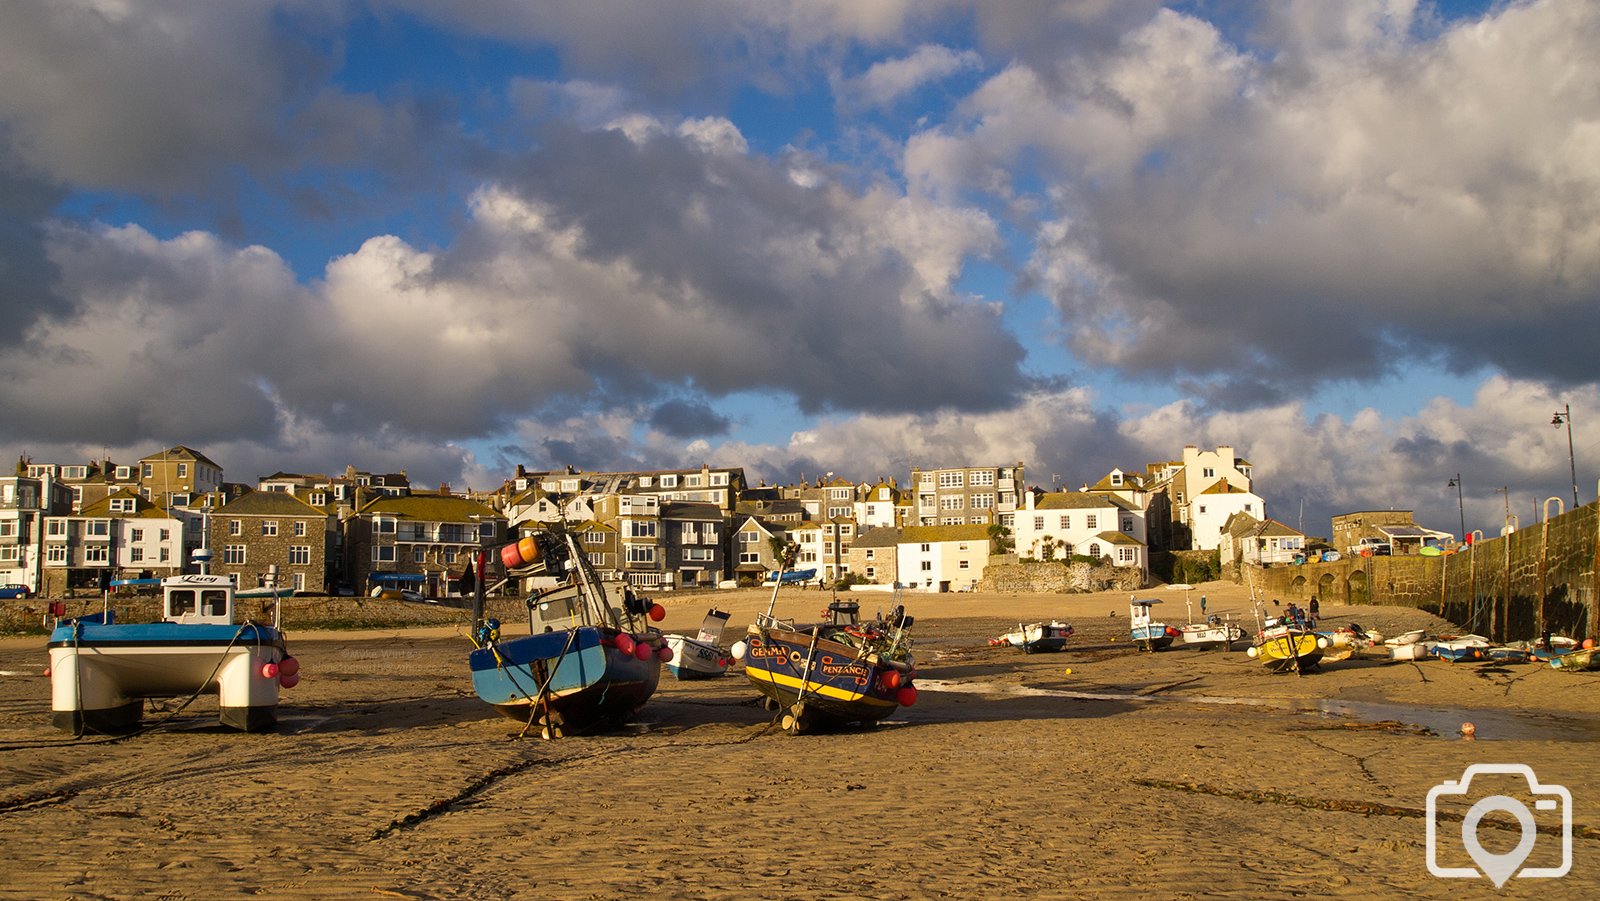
884 83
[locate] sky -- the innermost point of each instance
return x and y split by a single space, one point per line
1357 241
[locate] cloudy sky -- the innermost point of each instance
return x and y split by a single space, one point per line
1358 241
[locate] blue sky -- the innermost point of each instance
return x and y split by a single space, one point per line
1355 241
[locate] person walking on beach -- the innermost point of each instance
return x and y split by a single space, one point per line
1313 610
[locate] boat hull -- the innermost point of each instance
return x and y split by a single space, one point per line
1155 636
1038 637
1286 651
101 673
839 686
1204 636
695 659
577 674
1576 661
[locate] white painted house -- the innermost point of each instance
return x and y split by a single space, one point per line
943 558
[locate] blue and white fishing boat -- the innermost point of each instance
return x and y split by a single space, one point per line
1034 637
1148 634
101 671
703 656
586 664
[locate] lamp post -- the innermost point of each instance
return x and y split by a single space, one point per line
1564 417
1460 507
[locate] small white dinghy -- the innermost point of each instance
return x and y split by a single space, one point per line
701 657
1050 636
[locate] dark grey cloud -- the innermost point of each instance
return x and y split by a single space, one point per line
688 419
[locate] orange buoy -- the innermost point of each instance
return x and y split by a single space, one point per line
529 549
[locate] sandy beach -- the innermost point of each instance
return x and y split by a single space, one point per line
1178 774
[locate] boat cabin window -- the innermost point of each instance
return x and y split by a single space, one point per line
214 602
180 602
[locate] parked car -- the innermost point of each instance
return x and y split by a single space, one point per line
15 590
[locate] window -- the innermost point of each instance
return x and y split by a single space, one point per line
384 554
688 534
384 526
1127 524
926 548
982 501
1247 508
136 534
1125 555
235 527
449 555
838 512
952 502
56 528
964 565
147 471
1208 472
300 555
98 528
719 479
749 557
951 479
1066 521
269 528
1116 478
122 504
641 553
697 554
183 470
669 481
1094 550
952 521
56 555
1202 508
927 566
871 553
1091 521
233 554
97 553
124 473
981 478
594 536
136 554
641 529
299 528
1038 522
419 554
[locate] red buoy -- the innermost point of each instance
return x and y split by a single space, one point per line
625 643
906 695
289 666
664 653
289 681
642 651
891 679
658 612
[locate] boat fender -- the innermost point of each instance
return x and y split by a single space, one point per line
657 613
1323 643
269 670
642 651
663 653
906 696
1252 651
624 643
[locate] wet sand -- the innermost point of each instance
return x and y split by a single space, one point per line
1178 774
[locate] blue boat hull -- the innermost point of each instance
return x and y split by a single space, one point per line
1154 637
578 674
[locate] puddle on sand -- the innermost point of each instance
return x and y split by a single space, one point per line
1491 725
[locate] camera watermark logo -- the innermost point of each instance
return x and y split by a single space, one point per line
1550 800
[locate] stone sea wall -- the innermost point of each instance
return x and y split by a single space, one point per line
1041 576
1510 588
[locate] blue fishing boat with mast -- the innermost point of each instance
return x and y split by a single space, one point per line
591 658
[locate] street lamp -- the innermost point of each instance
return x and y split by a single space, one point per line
1564 417
1460 507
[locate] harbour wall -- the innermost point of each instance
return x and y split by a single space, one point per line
1509 588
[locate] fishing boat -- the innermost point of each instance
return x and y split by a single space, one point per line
1050 636
1459 649
1550 647
701 657
831 673
1150 635
1507 654
586 664
1283 647
101 671
1215 632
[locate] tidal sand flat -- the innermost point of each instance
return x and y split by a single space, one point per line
1177 774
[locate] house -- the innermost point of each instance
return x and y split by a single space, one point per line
968 495
1058 524
753 542
943 558
1395 530
825 546
25 502
419 541
1176 520
1247 540
693 533
178 476
276 540
874 555
636 517
1211 508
